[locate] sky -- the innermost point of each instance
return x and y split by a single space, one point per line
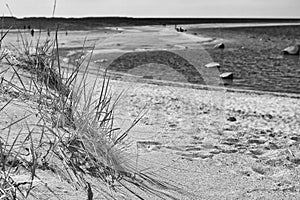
153 8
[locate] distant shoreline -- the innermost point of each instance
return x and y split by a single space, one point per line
93 22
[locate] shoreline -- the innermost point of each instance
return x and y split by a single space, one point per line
130 78
238 25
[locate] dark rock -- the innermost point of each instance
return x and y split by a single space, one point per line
148 77
295 138
269 116
219 46
172 125
231 119
272 134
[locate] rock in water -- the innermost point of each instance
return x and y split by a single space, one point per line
219 46
227 75
227 78
213 65
292 50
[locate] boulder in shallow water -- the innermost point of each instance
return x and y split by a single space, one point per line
213 65
227 75
292 50
227 78
219 46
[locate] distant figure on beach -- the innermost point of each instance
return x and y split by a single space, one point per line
48 32
66 33
28 27
180 29
32 32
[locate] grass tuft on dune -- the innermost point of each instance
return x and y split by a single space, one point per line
73 135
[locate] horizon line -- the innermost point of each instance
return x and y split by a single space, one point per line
160 17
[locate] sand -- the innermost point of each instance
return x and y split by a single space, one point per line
254 156
213 142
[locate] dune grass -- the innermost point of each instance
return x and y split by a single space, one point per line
74 135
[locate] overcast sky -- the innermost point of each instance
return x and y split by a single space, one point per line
153 8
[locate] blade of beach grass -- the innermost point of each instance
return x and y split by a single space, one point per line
7 103
4 157
10 151
10 12
57 54
4 35
33 165
15 122
90 192
2 23
16 72
54 8
47 187
4 71
9 83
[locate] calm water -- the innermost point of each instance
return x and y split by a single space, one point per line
254 55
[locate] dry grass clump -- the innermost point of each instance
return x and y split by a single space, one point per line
7 187
40 61
74 136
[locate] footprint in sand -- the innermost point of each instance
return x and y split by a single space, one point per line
202 155
149 145
257 141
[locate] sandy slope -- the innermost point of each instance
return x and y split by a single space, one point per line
255 156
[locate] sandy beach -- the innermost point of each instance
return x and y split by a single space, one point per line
212 141
246 146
